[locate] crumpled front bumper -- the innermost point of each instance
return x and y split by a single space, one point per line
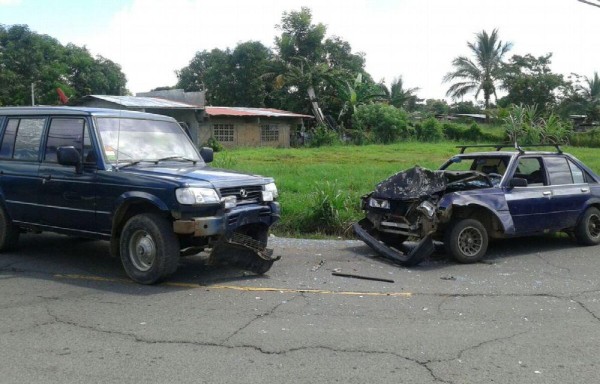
228 222
423 249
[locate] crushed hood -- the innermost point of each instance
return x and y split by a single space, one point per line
412 183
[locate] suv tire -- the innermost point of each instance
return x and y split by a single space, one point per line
587 231
149 249
9 233
466 240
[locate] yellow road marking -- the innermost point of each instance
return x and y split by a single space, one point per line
241 288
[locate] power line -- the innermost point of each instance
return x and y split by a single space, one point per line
597 4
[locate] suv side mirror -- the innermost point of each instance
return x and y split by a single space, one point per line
69 156
207 154
518 182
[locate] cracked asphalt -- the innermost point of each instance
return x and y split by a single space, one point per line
529 313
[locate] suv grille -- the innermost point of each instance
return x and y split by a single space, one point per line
249 193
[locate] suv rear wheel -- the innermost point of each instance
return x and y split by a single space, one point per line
466 240
9 233
149 249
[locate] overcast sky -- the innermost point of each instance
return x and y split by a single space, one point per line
416 39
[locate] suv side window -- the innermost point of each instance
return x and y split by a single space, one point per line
22 139
67 132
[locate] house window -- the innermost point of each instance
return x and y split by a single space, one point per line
223 132
269 133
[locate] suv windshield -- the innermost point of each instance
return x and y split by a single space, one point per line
135 140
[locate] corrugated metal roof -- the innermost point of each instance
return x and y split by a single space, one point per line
257 112
145 102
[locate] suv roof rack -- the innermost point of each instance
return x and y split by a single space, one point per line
515 146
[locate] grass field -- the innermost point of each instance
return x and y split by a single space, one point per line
320 188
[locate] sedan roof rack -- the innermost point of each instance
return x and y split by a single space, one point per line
501 146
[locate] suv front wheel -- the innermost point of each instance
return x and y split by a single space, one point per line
149 249
466 240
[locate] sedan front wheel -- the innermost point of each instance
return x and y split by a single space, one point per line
466 240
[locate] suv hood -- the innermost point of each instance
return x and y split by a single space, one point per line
199 173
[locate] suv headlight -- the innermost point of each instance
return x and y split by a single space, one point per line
379 203
270 192
194 195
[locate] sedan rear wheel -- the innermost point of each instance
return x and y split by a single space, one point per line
466 240
587 231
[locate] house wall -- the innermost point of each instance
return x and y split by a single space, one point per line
247 131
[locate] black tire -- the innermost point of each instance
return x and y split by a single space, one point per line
149 249
466 240
587 231
9 233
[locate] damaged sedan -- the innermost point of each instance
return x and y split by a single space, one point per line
477 196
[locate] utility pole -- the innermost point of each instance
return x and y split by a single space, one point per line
32 94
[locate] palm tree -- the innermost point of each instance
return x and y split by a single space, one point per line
401 97
591 94
480 74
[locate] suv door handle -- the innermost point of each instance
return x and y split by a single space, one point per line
585 189
46 178
547 193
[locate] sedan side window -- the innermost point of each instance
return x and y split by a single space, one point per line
531 169
558 170
578 176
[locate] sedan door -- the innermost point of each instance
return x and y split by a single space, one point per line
530 206
569 189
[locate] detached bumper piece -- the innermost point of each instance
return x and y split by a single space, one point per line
423 249
243 252
240 240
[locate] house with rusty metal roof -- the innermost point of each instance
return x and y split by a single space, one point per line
230 126
251 127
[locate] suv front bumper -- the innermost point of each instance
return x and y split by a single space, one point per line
229 221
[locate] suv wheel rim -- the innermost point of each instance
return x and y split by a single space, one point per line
594 226
142 250
470 241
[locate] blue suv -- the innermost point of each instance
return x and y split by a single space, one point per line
134 179
477 196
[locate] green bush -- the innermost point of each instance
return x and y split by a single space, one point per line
430 131
383 123
322 136
214 144
453 131
590 138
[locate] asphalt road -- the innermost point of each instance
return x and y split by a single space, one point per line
530 313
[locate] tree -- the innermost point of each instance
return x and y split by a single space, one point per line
354 94
28 58
401 97
482 73
530 81
308 69
231 78
591 95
